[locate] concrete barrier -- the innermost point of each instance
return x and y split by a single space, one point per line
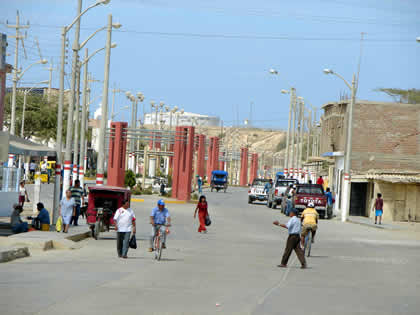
12 253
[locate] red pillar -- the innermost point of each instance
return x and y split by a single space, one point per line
116 156
201 152
209 168
254 167
171 158
215 163
183 163
243 180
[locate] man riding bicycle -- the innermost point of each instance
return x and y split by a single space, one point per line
309 218
159 219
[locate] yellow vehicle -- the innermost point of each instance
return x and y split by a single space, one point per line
50 165
50 169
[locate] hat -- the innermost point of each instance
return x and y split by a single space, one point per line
293 211
161 202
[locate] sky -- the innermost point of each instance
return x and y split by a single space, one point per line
213 57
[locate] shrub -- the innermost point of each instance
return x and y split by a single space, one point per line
136 190
130 179
194 196
138 175
148 191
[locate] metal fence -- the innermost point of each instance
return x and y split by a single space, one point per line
10 178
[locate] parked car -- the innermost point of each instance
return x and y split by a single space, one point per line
256 191
278 191
306 193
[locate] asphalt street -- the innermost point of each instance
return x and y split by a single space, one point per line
231 270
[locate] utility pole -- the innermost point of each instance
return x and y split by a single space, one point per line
287 154
347 159
101 155
70 113
309 127
50 69
292 149
301 124
83 122
15 70
76 124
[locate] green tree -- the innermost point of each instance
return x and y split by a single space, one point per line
130 179
410 96
40 116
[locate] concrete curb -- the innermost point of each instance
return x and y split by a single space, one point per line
9 254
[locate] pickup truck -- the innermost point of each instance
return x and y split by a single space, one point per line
276 193
256 191
306 193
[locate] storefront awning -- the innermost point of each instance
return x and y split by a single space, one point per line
331 154
22 146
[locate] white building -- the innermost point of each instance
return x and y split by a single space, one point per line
185 119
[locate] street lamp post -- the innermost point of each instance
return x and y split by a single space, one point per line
101 155
292 93
67 163
347 159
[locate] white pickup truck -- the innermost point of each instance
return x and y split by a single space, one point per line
256 191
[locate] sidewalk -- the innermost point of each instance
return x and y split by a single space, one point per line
371 223
20 245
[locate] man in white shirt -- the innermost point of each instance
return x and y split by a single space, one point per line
125 223
293 241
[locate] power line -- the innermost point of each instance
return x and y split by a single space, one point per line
244 36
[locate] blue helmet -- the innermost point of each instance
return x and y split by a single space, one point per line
161 202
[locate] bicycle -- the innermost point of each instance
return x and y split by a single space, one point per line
158 242
308 242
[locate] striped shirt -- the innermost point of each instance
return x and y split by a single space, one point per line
76 194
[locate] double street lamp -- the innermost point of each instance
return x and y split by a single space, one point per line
59 136
347 158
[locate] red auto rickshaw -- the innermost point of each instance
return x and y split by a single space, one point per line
103 203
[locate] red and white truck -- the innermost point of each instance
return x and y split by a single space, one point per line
306 193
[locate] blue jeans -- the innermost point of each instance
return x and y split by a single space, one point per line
200 191
75 218
154 231
123 238
20 228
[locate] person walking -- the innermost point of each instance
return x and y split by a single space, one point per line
77 195
199 184
202 213
330 202
32 169
293 241
379 208
125 224
23 194
289 205
67 209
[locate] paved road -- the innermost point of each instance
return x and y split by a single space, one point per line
231 270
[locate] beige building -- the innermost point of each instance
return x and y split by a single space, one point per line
385 156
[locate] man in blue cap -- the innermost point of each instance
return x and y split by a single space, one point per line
293 241
159 219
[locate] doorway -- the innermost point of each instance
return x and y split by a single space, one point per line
358 199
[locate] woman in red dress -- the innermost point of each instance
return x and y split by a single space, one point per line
202 213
